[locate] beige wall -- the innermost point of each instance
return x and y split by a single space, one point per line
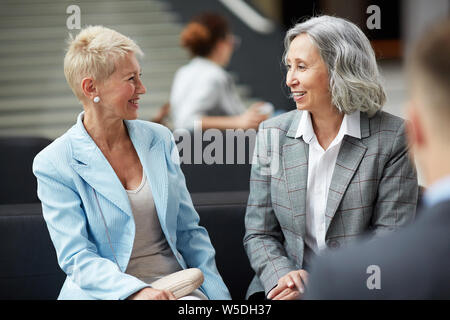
270 8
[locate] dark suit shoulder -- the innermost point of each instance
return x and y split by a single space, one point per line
413 263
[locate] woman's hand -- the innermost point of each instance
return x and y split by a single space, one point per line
290 286
251 118
152 294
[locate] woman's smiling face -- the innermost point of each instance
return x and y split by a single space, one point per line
307 75
120 92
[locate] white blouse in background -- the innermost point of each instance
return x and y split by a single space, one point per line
202 88
321 165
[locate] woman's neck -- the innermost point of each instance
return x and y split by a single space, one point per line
215 58
326 125
219 54
105 131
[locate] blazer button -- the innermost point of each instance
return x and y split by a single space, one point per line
334 244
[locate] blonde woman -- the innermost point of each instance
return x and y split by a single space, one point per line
115 202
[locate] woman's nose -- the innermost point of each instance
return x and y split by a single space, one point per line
141 89
291 80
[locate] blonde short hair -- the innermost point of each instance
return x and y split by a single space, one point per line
94 53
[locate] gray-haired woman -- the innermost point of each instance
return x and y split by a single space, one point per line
331 170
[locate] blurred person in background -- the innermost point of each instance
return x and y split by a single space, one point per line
343 172
113 196
202 91
415 262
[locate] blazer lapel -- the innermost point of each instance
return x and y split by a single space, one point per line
295 164
153 160
350 155
90 163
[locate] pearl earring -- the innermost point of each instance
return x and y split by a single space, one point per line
97 99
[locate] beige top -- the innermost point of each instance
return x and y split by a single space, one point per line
151 257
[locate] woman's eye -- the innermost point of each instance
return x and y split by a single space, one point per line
134 77
300 67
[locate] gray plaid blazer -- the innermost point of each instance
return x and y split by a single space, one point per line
373 189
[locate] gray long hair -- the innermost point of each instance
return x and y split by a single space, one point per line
355 82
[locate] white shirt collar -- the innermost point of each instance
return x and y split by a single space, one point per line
350 126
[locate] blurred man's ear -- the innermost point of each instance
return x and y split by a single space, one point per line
415 127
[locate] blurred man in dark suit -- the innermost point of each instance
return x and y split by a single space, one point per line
413 263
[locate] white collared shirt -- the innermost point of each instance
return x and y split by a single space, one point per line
321 165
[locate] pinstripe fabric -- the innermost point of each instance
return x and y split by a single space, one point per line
71 168
373 188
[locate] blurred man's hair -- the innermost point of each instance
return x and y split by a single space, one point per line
430 66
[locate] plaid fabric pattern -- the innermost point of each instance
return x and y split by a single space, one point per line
374 188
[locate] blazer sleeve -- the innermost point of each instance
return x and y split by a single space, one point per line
193 241
397 190
77 255
263 240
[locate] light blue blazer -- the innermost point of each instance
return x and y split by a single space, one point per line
74 179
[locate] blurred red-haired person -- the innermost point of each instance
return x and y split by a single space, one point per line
203 93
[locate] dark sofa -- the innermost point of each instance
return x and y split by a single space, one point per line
18 184
29 269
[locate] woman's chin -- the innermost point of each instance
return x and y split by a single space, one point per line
301 107
131 115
